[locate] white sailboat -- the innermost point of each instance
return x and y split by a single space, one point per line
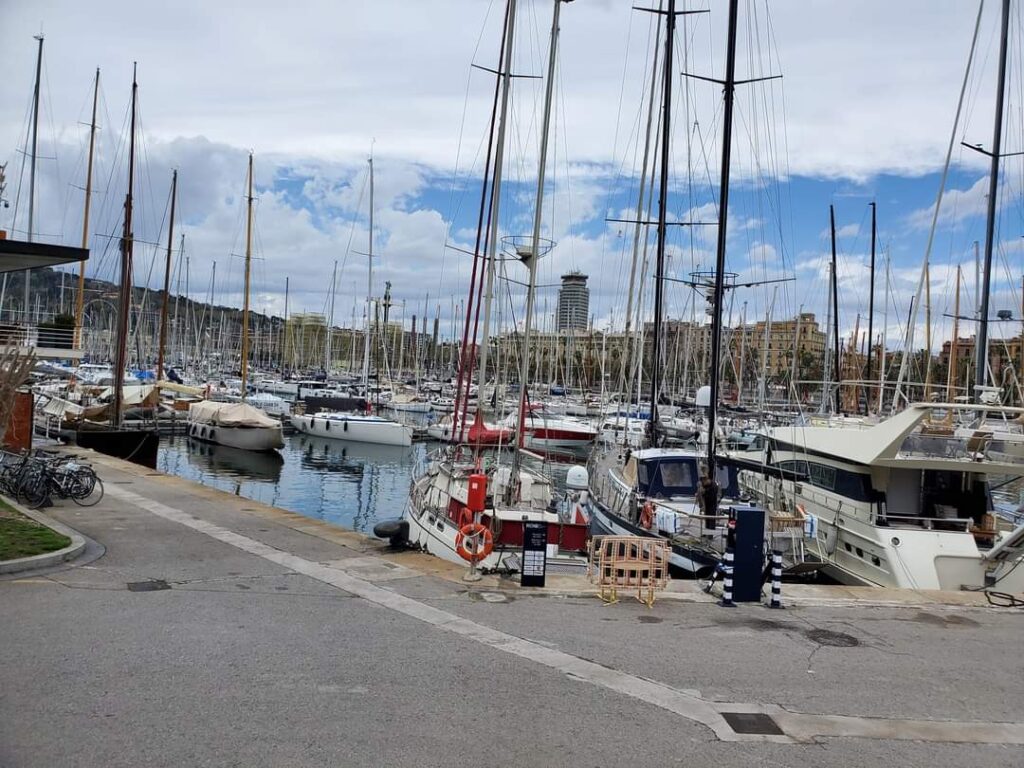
358 427
238 425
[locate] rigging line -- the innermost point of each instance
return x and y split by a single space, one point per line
355 218
24 156
935 215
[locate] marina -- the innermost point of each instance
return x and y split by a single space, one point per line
529 382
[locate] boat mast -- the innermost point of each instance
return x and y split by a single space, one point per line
659 276
728 88
466 354
534 255
369 293
32 167
245 299
330 320
127 247
881 348
167 281
981 363
836 372
871 304
625 367
951 373
80 299
499 158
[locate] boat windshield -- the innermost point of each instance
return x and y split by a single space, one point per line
667 477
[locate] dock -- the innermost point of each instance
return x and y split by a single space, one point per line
200 627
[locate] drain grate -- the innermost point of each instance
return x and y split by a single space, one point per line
153 585
752 723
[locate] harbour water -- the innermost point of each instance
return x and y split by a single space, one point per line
347 484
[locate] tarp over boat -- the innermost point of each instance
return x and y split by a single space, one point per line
229 415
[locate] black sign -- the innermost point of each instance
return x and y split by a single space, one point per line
535 554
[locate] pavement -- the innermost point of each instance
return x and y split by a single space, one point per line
215 631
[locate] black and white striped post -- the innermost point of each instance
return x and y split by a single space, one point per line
726 601
776 599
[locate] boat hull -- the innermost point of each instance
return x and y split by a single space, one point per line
246 438
356 430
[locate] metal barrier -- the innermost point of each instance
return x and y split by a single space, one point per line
628 563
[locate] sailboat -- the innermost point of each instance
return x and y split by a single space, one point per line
680 494
238 425
437 518
358 427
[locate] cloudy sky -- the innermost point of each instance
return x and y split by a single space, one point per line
863 112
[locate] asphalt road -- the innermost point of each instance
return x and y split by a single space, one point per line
249 653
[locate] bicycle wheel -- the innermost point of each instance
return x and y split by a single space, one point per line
35 489
95 492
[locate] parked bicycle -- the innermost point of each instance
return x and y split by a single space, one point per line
34 478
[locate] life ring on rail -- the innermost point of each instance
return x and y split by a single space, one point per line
647 515
465 517
801 510
483 542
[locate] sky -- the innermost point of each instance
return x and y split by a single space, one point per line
863 112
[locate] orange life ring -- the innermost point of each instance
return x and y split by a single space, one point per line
801 510
647 515
483 540
465 517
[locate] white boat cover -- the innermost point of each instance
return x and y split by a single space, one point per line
229 415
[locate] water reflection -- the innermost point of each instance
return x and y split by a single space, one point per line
263 466
349 484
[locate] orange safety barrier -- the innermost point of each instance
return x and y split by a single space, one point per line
628 562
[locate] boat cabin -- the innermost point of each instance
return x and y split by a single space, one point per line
665 473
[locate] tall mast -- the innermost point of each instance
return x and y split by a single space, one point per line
80 299
127 247
167 281
284 345
330 320
881 349
728 88
32 168
838 374
248 267
871 303
659 275
499 156
951 373
369 291
625 367
981 363
534 255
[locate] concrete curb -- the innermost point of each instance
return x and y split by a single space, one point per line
47 559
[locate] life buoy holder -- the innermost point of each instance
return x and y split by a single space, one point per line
647 515
474 542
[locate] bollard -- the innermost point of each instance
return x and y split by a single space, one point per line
726 601
776 599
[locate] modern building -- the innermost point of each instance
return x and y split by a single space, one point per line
573 303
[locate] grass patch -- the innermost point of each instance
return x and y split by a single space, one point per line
21 537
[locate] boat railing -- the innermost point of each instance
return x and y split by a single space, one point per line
927 523
932 446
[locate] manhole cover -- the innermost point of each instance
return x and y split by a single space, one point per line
148 586
752 722
828 637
